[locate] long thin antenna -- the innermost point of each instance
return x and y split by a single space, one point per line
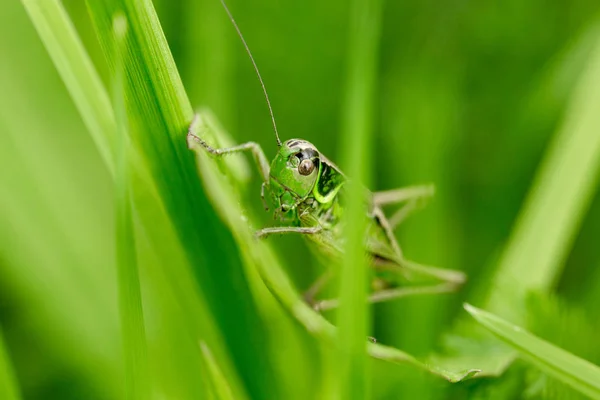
255 69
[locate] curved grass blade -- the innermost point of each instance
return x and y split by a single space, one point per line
159 114
72 62
220 387
564 366
9 389
85 86
137 384
533 258
557 202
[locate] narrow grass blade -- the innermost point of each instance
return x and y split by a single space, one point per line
568 368
159 114
94 104
354 316
9 389
534 256
75 67
137 384
559 198
220 387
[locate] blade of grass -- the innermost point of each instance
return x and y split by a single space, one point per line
559 198
220 386
208 68
68 55
137 384
357 123
568 368
545 229
159 114
66 279
9 389
85 87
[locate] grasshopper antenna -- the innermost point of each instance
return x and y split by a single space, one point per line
262 84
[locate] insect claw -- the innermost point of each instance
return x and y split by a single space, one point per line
310 300
190 138
262 196
317 307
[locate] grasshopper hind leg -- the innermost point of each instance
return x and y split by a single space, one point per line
414 198
399 263
404 267
390 294
450 282
265 232
316 287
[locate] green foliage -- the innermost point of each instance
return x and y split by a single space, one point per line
578 373
8 384
130 302
561 193
558 322
465 96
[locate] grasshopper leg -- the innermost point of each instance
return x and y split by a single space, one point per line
262 233
403 212
316 287
414 197
403 265
254 148
262 196
396 196
391 294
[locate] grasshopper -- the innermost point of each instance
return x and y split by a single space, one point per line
305 190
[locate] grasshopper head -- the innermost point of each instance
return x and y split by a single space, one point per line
296 166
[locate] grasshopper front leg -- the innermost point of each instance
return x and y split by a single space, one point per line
263 233
257 152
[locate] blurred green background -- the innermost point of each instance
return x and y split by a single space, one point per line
469 96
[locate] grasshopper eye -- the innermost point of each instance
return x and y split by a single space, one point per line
306 167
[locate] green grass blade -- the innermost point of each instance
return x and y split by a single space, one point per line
568 368
85 87
559 198
72 62
208 67
551 215
220 387
137 384
534 256
9 389
159 114
354 315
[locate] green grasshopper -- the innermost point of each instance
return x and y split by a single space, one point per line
305 190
